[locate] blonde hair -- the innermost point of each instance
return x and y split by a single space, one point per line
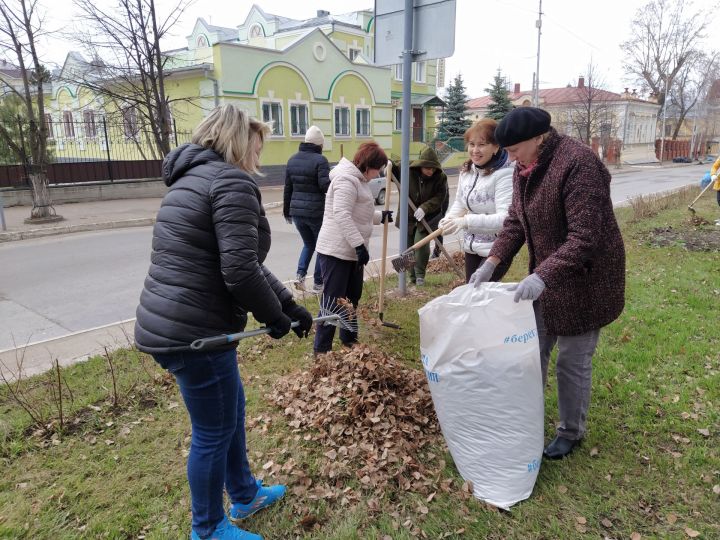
233 134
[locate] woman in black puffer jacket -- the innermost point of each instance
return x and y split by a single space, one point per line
206 273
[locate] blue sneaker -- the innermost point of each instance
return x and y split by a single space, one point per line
265 496
227 531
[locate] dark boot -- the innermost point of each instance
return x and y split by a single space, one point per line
560 447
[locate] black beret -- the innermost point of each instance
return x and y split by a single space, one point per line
521 124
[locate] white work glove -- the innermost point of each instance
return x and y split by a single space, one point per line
483 273
452 224
714 177
419 214
529 288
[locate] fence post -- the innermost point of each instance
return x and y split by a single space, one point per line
2 214
107 149
175 131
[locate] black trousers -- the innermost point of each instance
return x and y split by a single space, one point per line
473 262
341 280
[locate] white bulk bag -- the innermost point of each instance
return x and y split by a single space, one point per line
482 361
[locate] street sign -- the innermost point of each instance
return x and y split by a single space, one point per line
433 30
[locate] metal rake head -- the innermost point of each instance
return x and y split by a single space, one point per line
404 261
342 309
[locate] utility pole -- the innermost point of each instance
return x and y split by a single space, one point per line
664 110
538 25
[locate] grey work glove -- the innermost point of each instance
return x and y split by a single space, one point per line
483 274
529 288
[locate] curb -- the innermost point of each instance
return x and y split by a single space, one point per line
12 236
66 229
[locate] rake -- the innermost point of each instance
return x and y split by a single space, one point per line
336 315
692 204
406 260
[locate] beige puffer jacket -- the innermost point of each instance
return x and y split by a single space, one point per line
349 213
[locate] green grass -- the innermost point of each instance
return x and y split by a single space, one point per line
119 471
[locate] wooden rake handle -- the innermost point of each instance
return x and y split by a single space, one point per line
424 241
383 260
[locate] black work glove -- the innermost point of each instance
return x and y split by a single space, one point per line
301 315
280 326
386 216
363 257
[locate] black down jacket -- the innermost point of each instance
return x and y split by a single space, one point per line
306 182
209 242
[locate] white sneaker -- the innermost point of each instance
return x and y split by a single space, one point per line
300 282
317 288
420 282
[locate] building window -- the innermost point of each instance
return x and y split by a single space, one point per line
201 42
397 72
298 119
272 114
342 121
362 122
49 126
353 53
68 125
256 31
130 123
398 119
420 72
89 121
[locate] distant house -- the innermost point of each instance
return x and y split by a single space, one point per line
10 78
289 73
620 127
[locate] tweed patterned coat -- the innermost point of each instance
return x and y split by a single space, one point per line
563 211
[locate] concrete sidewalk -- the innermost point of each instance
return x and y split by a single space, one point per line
98 215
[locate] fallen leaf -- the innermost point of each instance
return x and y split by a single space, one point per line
704 432
606 523
672 518
691 532
635 536
594 451
580 528
562 489
716 489
581 520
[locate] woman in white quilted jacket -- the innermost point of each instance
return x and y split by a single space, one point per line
483 196
342 244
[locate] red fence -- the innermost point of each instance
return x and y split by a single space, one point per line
86 171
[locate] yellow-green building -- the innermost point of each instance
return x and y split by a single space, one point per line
290 73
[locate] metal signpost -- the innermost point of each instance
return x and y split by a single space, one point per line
411 30
2 214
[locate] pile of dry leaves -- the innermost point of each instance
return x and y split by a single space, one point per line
372 416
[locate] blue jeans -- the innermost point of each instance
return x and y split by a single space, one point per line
213 393
309 230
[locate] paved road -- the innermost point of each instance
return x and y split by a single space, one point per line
53 286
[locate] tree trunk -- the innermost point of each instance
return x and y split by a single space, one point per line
42 203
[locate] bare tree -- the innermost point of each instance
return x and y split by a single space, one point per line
20 29
665 36
128 66
588 114
691 86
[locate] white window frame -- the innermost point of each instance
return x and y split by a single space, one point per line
358 124
398 72
275 122
49 125
295 105
354 52
131 128
339 133
89 123
419 70
68 125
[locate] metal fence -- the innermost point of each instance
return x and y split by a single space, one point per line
93 149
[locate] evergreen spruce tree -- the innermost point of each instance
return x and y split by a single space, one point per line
500 103
454 121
